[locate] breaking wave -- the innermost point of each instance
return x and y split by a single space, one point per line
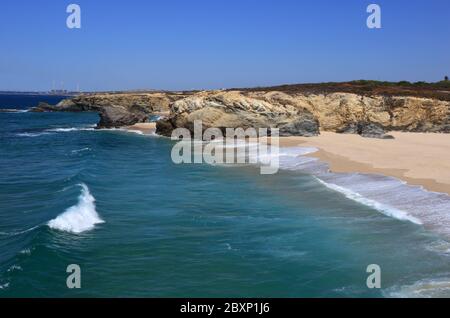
387 195
387 210
70 129
13 110
33 134
80 217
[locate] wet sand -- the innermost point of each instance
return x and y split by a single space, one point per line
417 158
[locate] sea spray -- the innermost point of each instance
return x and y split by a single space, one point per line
80 217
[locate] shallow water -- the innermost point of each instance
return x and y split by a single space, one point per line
138 225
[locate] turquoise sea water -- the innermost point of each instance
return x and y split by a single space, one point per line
138 225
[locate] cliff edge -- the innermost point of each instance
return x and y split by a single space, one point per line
303 111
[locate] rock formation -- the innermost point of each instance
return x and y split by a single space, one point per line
366 129
234 110
116 110
295 113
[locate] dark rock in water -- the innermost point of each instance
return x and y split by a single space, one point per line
307 126
43 107
366 129
116 110
115 117
164 127
63 106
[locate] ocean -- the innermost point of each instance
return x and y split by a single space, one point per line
138 225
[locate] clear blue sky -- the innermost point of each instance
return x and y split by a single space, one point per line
187 44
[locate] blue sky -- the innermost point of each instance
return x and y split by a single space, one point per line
199 44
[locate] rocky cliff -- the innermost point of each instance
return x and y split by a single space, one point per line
117 110
336 111
293 112
234 109
305 114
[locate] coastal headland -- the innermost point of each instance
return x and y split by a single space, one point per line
395 129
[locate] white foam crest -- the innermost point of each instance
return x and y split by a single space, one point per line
80 217
81 150
13 110
131 131
70 129
385 209
33 134
388 195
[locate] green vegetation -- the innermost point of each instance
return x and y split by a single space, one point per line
439 90
401 83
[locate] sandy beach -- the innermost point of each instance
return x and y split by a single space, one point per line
145 128
417 158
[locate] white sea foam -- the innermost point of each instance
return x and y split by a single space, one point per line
134 131
26 251
426 288
13 110
56 130
131 131
80 217
385 209
81 150
70 129
33 134
4 286
14 268
253 152
387 195
440 246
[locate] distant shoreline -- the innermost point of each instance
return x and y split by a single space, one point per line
439 90
37 94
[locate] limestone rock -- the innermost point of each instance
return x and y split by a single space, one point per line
294 113
366 129
234 110
116 110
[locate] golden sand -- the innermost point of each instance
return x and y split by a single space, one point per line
417 158
145 128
